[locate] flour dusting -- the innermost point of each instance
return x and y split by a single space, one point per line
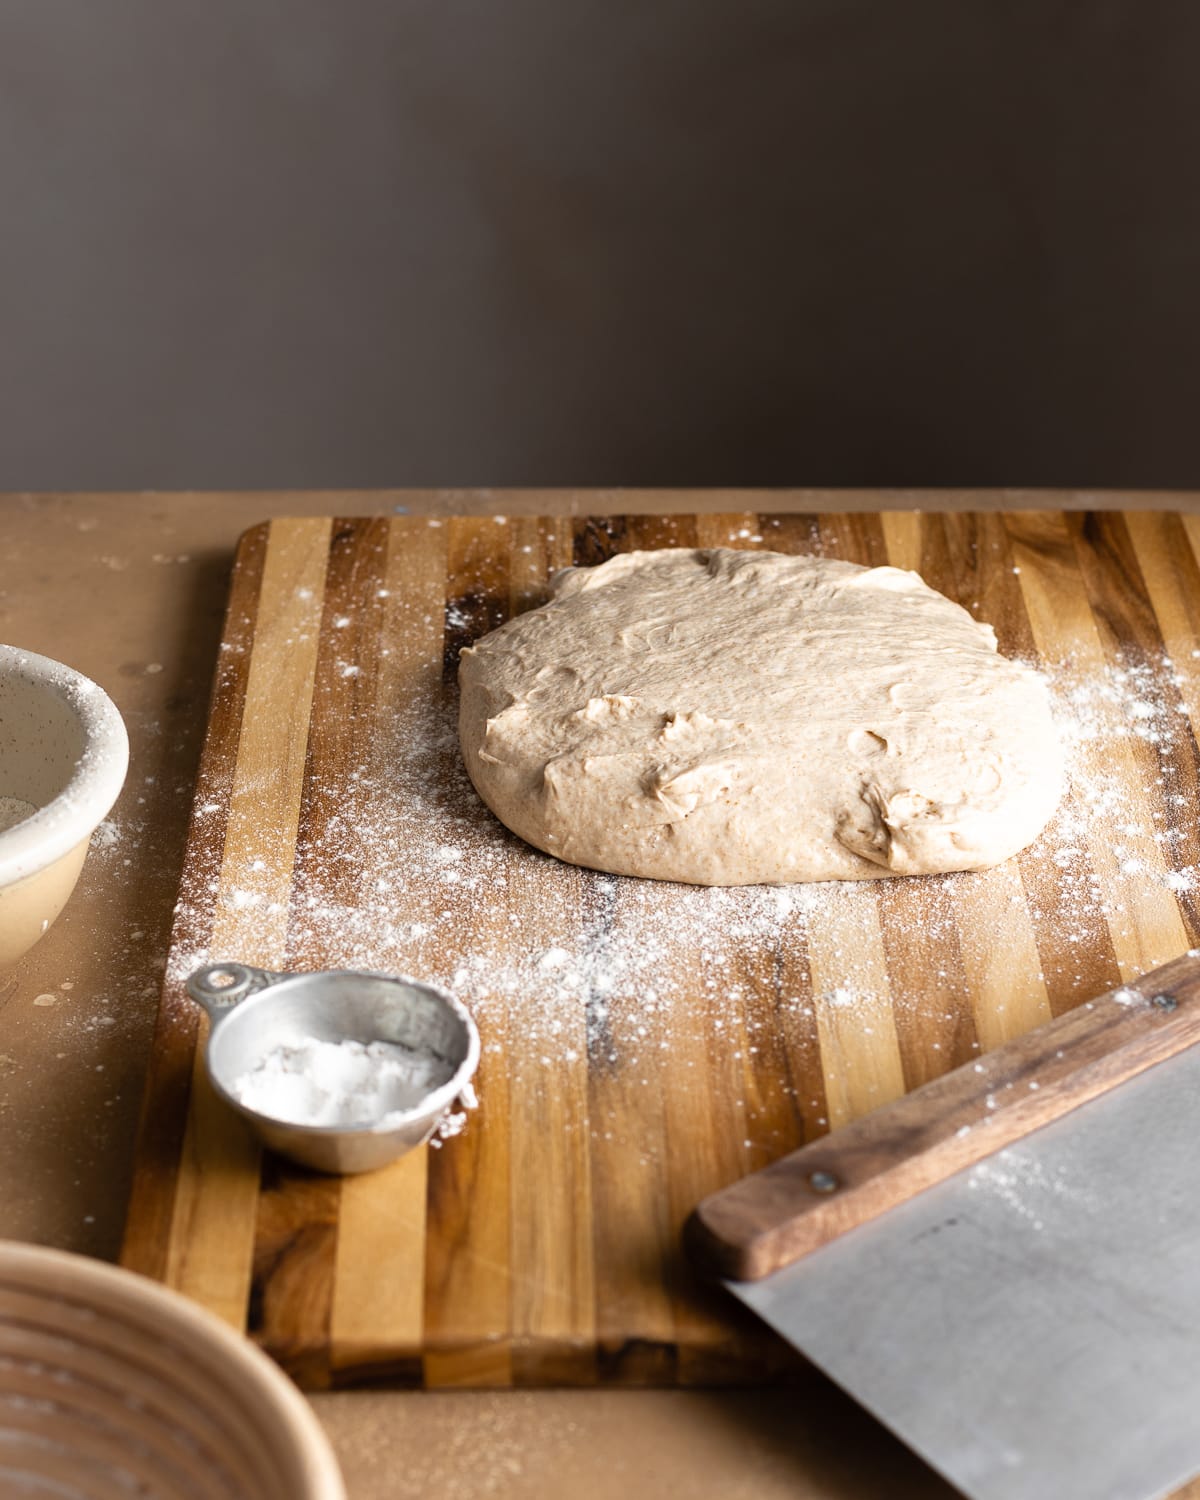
406 872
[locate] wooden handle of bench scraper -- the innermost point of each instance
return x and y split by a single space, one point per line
833 1184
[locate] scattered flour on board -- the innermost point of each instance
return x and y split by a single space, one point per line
404 871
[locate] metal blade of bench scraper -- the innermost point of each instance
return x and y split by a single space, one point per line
1030 1327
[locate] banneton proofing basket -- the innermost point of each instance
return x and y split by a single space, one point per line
64 749
113 1387
251 1011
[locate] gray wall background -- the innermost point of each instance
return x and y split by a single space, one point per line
302 242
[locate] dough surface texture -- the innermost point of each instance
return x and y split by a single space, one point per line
725 718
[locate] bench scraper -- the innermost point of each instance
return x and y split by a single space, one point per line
1004 1265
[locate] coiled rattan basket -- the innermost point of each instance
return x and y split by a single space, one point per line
113 1388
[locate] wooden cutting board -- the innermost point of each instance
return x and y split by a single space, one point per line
644 1043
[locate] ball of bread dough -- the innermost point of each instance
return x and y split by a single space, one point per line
725 717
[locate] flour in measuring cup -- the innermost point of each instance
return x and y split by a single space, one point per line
344 1083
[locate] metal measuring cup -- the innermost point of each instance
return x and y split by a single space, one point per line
251 1011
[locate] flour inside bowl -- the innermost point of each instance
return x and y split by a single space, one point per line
14 810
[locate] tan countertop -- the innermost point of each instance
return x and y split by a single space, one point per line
130 589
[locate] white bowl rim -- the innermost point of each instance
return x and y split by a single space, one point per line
74 815
147 1302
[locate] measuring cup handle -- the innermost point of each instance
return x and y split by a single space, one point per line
219 987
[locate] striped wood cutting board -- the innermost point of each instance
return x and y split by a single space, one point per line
643 1043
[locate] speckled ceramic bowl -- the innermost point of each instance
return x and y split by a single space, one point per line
113 1387
63 757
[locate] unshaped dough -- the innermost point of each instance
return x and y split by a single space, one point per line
725 717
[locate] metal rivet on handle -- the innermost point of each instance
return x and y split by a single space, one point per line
1164 1002
823 1182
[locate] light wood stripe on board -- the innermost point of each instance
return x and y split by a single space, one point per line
1191 528
996 944
1066 633
378 1315
1170 561
163 1122
1168 551
377 1319
860 1054
1169 779
212 1231
999 955
553 1287
1062 954
902 538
